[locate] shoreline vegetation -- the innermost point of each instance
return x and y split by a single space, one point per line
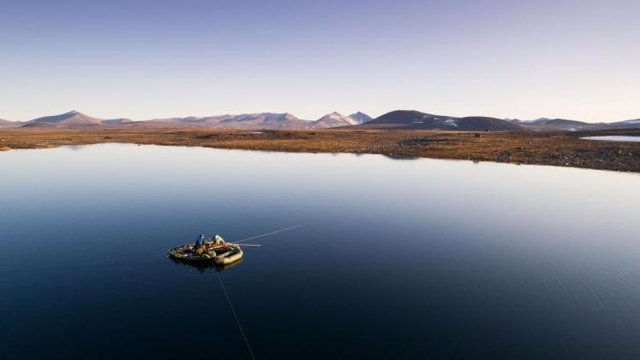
527 147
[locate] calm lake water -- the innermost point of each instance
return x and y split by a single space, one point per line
626 138
395 258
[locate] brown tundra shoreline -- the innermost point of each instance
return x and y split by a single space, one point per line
540 148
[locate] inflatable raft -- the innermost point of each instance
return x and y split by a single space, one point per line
231 255
216 251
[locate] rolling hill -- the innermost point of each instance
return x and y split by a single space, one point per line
72 119
9 124
414 120
626 124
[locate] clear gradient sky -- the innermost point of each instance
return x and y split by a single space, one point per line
577 59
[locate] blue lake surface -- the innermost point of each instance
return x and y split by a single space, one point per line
395 259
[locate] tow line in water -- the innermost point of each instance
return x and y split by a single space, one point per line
235 316
226 294
269 233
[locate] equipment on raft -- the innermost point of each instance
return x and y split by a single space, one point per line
216 250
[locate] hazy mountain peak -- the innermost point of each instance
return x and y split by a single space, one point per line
334 119
360 117
71 118
8 123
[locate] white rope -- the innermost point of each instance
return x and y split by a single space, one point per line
226 294
235 317
267 234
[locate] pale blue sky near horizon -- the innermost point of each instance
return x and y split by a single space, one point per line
144 59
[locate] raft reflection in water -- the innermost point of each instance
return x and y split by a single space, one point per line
207 266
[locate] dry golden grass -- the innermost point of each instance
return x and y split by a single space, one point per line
546 148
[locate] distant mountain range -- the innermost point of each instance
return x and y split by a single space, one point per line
409 120
395 120
243 121
546 124
271 121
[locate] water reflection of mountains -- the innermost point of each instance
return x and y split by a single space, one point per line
206 267
401 157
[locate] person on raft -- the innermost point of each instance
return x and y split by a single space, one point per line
199 248
217 239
